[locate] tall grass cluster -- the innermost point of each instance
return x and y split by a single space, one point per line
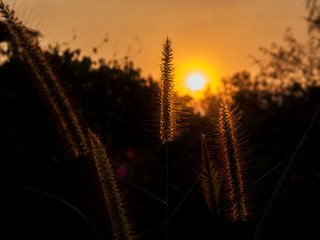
222 169
33 56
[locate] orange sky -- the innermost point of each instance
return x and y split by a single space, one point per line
219 34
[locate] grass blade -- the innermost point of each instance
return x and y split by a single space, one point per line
143 190
98 234
282 178
171 216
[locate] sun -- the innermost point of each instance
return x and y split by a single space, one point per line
196 81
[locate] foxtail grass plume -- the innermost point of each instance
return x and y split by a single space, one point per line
116 212
24 43
167 115
232 161
209 178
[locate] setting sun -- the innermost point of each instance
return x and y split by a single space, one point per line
196 81
195 78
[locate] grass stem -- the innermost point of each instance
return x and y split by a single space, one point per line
167 185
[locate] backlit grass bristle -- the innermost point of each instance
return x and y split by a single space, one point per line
29 49
167 115
209 178
116 212
232 161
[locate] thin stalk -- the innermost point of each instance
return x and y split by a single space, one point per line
167 176
167 185
143 190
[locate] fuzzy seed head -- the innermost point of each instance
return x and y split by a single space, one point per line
116 212
24 43
167 122
209 178
231 161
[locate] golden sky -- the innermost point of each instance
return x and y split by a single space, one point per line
216 36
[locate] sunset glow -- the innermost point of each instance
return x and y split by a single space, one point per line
194 101
220 33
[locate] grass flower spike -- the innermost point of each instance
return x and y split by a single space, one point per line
167 118
34 58
209 178
116 213
232 161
